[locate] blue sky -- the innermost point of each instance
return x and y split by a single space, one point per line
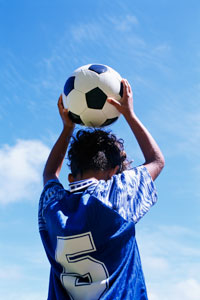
156 46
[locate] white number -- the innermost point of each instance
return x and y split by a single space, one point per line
83 276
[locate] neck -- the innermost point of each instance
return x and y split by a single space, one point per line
93 174
105 175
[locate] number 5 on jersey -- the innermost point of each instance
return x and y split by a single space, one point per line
83 276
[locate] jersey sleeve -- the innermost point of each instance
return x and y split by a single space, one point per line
53 191
141 193
130 193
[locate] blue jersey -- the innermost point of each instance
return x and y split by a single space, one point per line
89 236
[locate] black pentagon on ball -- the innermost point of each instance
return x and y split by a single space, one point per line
69 85
95 98
98 68
75 118
109 121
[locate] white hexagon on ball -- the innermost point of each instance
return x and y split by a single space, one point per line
110 111
86 80
76 102
93 117
110 84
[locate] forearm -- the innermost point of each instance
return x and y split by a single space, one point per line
146 142
57 155
154 159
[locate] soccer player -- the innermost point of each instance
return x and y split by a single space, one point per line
88 232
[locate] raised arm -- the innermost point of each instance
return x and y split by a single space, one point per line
58 152
154 159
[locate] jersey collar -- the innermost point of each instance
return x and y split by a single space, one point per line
81 184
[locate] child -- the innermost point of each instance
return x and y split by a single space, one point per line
88 232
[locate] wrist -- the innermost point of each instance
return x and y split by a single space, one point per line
68 127
130 116
68 130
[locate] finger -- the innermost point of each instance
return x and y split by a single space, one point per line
60 101
128 87
60 104
65 111
114 102
125 88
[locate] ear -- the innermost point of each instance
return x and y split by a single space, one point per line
70 178
113 171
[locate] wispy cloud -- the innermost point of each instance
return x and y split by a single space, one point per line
20 169
117 38
86 31
27 268
22 295
187 290
124 23
13 272
170 257
180 123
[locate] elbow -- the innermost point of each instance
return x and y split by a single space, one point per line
156 166
161 162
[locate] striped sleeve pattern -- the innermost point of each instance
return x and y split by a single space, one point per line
130 193
141 193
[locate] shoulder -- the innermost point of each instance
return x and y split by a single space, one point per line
53 191
127 177
137 176
123 182
138 182
132 177
131 192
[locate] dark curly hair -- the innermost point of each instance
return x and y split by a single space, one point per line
96 150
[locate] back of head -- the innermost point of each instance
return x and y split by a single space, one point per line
96 150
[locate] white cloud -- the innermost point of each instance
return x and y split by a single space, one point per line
28 294
20 169
27 267
179 122
162 49
107 39
157 264
187 290
89 31
170 257
13 272
125 23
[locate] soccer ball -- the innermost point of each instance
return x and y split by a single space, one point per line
85 94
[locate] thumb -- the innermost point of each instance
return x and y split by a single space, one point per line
114 102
